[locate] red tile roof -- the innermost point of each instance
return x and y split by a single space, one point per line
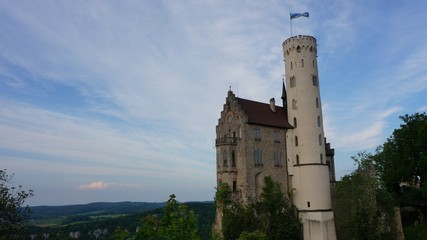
261 114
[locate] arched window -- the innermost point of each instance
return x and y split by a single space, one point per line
295 122
318 121
317 102
298 49
233 158
297 159
320 139
224 159
296 141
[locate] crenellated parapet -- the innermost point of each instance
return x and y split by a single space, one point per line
299 44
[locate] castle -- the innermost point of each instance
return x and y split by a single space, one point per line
257 139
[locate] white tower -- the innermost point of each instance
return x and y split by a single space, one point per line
309 174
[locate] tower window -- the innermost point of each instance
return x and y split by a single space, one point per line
320 139
294 104
313 63
298 49
224 159
296 141
257 157
292 65
302 62
233 158
318 121
257 134
317 102
277 159
292 81
321 158
218 154
297 158
234 186
295 122
315 82
308 204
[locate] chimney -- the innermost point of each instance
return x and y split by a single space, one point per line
273 105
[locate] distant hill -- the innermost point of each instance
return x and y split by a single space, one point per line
97 208
88 219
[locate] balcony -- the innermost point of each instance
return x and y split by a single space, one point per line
226 141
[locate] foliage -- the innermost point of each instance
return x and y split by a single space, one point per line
13 215
257 235
363 209
176 223
273 217
403 157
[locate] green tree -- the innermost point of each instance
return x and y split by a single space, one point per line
363 209
176 223
257 235
13 215
273 217
403 157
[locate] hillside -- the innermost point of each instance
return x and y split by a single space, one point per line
101 219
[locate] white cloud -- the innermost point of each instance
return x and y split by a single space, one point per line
100 185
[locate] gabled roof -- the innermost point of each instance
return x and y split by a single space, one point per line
261 114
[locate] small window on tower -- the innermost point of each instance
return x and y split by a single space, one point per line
320 139
294 104
224 159
318 121
292 65
317 103
297 158
233 158
292 81
296 141
314 78
298 49
321 158
302 62
295 122
234 186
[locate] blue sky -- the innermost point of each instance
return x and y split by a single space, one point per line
118 100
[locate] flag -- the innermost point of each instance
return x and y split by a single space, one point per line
296 15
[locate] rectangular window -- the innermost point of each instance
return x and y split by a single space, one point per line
257 157
292 82
276 136
234 186
257 134
277 159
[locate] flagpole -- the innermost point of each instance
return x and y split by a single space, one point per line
290 21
